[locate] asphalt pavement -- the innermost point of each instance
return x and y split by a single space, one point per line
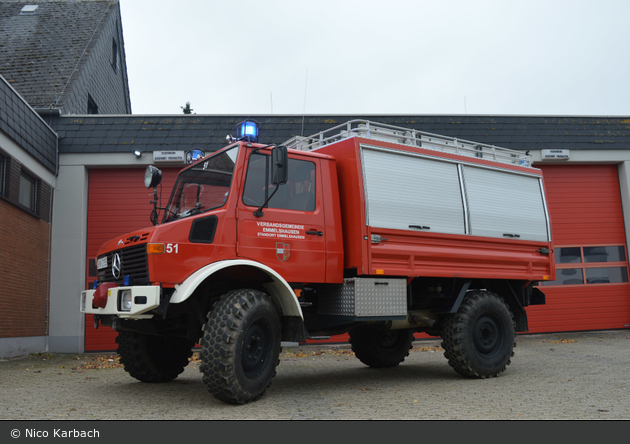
559 376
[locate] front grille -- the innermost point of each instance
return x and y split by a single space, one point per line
133 262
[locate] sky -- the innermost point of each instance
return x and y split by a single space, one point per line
498 57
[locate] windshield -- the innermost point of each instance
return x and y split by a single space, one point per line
202 187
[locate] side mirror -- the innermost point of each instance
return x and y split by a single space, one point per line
279 165
152 177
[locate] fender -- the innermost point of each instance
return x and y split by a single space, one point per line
280 291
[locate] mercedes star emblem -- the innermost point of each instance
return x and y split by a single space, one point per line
116 266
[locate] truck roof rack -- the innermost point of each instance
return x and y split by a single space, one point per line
410 137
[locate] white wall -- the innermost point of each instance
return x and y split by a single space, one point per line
67 280
624 186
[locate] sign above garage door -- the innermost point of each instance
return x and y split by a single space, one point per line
169 156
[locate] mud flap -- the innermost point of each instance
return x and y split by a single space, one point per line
537 297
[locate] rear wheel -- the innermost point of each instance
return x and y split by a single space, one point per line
240 346
150 358
380 348
479 339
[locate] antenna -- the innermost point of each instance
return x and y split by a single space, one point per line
304 110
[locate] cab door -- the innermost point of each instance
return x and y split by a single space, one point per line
289 235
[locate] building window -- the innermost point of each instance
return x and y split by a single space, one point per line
115 55
588 265
92 108
2 173
28 191
29 10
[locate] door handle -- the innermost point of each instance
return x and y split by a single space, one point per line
420 227
314 232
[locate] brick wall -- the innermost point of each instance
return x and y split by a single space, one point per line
25 241
24 232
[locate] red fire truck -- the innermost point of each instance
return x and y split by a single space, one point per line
365 228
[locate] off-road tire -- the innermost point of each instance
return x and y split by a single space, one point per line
150 358
380 348
479 339
240 346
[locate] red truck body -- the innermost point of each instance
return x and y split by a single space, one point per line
414 254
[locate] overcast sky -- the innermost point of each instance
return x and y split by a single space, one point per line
534 57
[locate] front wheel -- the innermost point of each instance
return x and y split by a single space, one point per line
479 339
150 358
240 346
380 348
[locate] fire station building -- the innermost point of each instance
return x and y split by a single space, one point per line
99 194
72 166
585 160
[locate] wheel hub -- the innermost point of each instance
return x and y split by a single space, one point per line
256 348
487 335
388 339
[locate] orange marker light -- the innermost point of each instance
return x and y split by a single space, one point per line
155 248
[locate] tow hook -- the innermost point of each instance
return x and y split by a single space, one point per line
97 319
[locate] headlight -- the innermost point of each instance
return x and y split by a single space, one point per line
152 177
124 300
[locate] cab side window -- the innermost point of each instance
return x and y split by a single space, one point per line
297 194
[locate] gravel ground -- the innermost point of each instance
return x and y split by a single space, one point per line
569 376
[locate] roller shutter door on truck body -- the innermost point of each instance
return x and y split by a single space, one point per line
397 192
592 290
404 190
118 203
503 203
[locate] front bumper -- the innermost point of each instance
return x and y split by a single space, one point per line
143 300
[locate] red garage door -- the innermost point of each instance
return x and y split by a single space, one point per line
118 203
592 290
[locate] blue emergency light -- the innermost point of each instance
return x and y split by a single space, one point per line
247 130
194 155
